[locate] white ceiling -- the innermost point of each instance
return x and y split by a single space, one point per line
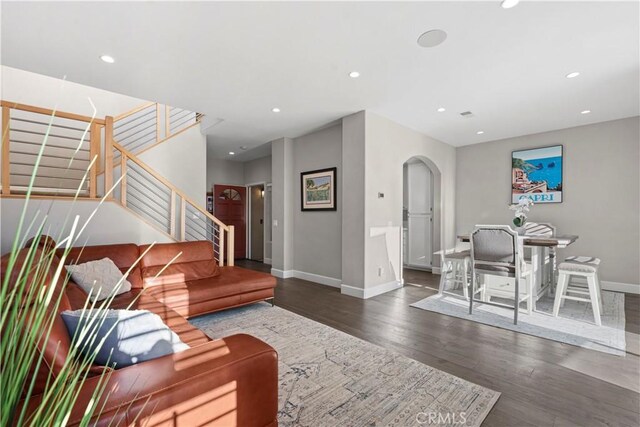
235 61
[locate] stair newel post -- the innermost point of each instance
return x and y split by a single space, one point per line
108 154
123 182
172 214
158 118
230 249
221 231
167 122
94 155
6 172
183 218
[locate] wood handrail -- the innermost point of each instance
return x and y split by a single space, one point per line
132 112
49 112
173 188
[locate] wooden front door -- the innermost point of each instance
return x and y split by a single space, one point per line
229 207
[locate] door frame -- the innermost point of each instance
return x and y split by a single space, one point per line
431 222
248 216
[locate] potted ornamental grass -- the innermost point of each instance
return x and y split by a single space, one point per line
30 297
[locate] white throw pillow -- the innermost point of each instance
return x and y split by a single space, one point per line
100 279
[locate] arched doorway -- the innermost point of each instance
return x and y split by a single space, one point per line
420 213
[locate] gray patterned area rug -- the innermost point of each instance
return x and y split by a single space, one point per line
574 324
329 378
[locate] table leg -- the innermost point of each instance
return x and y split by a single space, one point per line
536 265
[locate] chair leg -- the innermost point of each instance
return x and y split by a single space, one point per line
599 289
516 301
483 290
533 296
561 287
443 276
595 300
465 278
472 290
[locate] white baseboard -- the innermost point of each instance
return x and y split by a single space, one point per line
316 278
267 261
435 270
369 292
283 274
628 288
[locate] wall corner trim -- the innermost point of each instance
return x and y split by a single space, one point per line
283 274
365 293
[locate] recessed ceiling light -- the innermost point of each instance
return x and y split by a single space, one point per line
572 75
354 74
108 59
231 153
480 132
243 147
585 112
441 110
432 38
275 109
508 4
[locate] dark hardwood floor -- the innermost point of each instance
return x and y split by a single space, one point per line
543 382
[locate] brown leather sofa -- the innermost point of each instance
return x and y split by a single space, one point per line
223 382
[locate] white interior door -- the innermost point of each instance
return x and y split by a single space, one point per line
420 215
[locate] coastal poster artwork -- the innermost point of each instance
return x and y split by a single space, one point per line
537 174
319 190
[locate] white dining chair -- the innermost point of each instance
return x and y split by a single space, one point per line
496 250
454 270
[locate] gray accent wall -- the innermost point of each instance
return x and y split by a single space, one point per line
221 171
257 171
282 210
352 182
317 244
601 201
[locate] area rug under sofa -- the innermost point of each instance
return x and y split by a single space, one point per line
329 378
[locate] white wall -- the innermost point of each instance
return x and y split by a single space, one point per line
257 171
182 160
601 191
29 88
388 146
111 223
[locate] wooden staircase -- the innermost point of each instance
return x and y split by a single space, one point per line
70 156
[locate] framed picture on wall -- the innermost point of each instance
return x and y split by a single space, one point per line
537 174
318 190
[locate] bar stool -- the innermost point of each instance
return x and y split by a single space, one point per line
580 267
454 270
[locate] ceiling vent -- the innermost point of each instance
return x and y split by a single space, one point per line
467 114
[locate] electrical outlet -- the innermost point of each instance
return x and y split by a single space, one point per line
275 222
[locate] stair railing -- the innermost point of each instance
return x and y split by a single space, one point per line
151 124
72 144
149 195
77 143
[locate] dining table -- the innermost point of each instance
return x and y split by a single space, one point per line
537 243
